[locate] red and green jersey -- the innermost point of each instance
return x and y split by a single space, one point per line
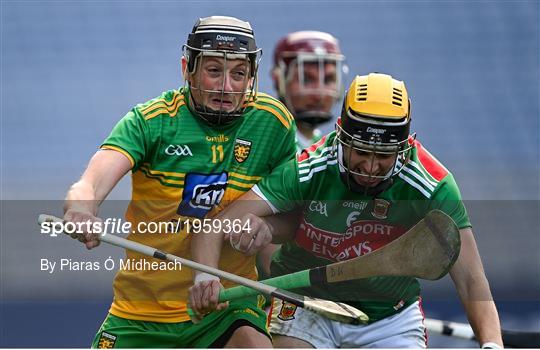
339 224
185 168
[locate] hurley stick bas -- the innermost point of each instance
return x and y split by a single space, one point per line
332 310
428 251
511 338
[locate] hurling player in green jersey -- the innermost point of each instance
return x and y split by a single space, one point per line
191 151
358 189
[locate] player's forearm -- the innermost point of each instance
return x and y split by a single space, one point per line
104 171
473 289
82 197
484 320
206 248
479 306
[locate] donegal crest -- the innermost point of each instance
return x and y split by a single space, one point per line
106 341
241 150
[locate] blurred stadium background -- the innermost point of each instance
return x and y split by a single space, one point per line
70 70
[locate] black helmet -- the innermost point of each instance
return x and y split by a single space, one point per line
227 38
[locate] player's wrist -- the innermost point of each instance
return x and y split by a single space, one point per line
203 276
270 228
490 345
272 232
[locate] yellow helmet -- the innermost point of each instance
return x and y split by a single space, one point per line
375 118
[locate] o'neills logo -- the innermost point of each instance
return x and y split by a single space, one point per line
225 38
218 138
360 238
375 131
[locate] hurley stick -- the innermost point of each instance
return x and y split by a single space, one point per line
428 251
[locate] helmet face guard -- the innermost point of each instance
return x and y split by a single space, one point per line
317 75
347 144
219 91
372 136
309 67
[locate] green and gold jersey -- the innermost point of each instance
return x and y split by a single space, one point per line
339 224
184 168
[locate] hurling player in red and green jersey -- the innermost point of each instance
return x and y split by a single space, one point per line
358 189
191 151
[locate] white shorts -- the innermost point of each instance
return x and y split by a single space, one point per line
403 330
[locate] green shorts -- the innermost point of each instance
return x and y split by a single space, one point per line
214 330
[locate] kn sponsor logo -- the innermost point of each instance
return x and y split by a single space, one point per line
178 150
318 207
206 196
202 192
360 238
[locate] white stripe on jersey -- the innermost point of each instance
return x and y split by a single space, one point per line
326 157
306 170
423 180
414 184
314 159
424 172
332 161
259 193
418 178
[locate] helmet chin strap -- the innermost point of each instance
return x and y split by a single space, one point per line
207 114
354 186
311 118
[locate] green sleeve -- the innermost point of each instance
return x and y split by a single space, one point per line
447 198
281 189
131 136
